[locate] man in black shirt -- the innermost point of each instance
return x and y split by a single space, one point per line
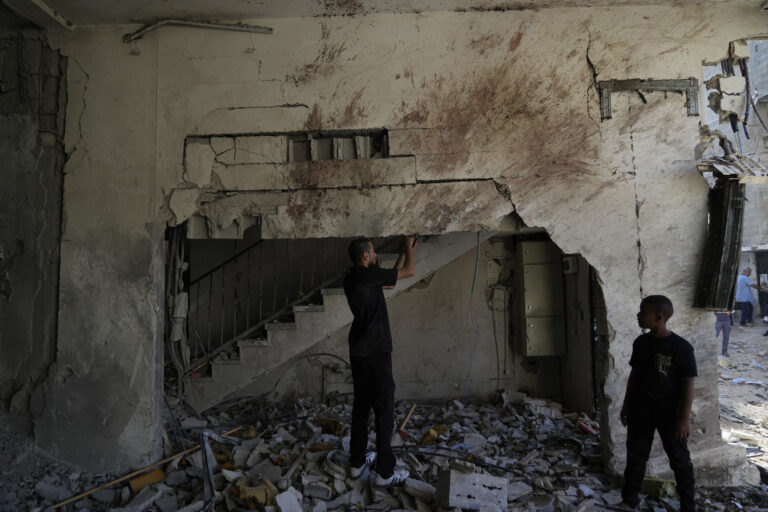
370 353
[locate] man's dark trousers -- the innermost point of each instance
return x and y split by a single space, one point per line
374 388
642 422
746 312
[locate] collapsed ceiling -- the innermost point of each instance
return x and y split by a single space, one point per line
51 13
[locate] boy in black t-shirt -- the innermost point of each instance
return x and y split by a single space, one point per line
658 397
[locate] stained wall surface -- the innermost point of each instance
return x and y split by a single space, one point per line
495 111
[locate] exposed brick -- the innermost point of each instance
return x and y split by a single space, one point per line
30 87
48 122
51 61
50 97
31 53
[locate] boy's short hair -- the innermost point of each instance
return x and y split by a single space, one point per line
357 248
660 304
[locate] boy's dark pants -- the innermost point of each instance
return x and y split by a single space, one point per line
374 388
642 422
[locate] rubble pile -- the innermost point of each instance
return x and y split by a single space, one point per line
521 454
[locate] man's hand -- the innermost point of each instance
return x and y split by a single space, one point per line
408 241
682 428
623 415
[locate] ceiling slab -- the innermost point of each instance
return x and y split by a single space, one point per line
118 12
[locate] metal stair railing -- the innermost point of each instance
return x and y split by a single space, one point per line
232 301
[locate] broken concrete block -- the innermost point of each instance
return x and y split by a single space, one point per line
462 465
240 455
470 490
176 478
517 490
319 490
261 150
732 84
266 470
168 503
289 501
195 506
142 501
50 491
739 50
730 104
419 489
352 499
104 495
475 442
183 203
285 436
256 455
198 161
231 475
264 492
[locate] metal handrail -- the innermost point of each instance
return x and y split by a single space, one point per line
198 363
228 260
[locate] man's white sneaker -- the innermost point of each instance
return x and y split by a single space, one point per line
356 472
397 478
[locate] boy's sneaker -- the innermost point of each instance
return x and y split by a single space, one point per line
356 472
397 478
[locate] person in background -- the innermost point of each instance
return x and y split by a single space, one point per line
723 323
744 297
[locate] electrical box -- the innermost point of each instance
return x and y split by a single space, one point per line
543 309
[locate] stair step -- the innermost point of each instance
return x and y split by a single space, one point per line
332 291
253 342
307 309
276 326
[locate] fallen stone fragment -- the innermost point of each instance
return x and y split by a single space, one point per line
419 489
51 492
176 478
352 499
195 506
264 492
104 495
285 436
231 475
462 465
167 503
289 501
470 490
267 470
319 490
517 490
142 501
240 455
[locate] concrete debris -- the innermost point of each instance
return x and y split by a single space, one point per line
520 454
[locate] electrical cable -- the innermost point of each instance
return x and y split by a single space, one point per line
472 320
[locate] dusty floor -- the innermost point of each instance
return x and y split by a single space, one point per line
565 463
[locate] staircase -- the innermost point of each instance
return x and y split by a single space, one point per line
312 324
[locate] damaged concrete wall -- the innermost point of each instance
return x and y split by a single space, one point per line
433 344
32 102
494 112
104 395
